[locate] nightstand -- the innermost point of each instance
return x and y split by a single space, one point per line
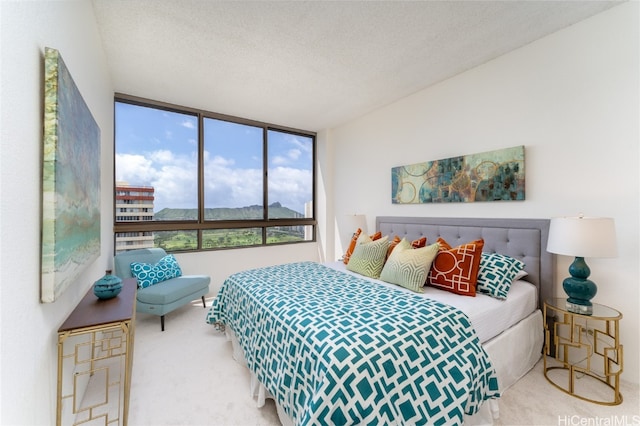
582 353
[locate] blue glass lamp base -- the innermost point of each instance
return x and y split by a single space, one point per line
579 289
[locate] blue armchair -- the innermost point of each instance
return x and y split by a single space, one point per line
164 297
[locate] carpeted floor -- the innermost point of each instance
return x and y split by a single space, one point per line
186 376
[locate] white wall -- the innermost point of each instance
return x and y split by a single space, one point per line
571 98
28 327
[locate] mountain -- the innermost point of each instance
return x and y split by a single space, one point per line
239 213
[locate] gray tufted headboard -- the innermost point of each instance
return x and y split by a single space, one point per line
524 239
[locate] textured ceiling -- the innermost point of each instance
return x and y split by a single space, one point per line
311 64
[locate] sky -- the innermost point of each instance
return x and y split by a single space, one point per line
160 149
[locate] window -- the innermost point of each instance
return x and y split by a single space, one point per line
187 179
234 170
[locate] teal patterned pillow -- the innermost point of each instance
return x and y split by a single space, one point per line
409 267
148 275
496 274
368 257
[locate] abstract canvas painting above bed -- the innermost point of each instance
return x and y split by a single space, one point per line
336 346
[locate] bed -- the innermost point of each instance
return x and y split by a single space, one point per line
331 346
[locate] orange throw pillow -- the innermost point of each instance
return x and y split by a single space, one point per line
419 243
392 245
455 269
376 236
352 246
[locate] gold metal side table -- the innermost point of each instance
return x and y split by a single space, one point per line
95 357
583 348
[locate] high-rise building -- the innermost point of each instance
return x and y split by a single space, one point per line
133 203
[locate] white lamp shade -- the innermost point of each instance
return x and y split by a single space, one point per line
353 222
582 236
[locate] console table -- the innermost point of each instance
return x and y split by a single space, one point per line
95 357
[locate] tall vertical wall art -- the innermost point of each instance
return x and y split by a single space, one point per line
488 176
70 181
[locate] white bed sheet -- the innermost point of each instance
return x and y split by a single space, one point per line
489 316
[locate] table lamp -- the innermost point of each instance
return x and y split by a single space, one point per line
355 221
581 237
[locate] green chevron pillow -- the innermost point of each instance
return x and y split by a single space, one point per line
409 267
368 257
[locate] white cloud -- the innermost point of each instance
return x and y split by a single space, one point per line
294 154
162 156
291 156
218 161
174 178
291 187
189 124
231 187
278 160
302 146
134 169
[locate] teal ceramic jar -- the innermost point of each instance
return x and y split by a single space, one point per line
108 286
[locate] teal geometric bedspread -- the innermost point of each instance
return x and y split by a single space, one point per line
335 349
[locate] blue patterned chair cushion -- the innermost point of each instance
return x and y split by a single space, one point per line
409 267
497 272
148 274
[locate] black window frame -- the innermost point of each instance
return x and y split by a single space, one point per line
201 224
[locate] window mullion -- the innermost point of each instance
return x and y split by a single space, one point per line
201 183
265 168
